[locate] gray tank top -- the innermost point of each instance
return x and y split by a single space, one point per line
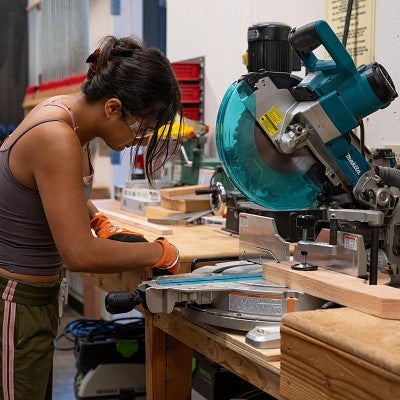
26 244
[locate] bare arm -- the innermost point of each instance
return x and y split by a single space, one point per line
56 165
92 209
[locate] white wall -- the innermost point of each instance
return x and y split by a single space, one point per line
217 29
383 127
101 24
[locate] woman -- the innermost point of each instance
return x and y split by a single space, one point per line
45 215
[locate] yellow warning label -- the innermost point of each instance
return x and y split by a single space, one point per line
270 121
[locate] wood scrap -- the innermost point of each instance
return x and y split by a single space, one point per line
186 203
181 219
181 190
184 199
159 212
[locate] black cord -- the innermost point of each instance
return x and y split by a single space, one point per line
347 22
94 329
362 137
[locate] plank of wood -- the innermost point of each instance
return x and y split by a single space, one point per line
118 216
184 198
187 203
380 300
339 354
159 212
181 190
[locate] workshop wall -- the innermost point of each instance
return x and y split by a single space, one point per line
217 30
13 64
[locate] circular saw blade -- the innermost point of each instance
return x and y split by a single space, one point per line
250 159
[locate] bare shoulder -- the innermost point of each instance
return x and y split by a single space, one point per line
55 136
44 122
48 149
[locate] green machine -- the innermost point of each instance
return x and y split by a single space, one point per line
192 167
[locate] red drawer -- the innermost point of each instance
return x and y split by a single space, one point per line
185 71
192 113
190 93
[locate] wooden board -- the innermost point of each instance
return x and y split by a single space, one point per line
380 300
187 203
159 212
181 190
184 199
135 221
339 354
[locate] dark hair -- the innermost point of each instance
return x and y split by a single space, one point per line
143 80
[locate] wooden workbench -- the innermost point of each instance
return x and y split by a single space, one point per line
331 354
170 338
339 354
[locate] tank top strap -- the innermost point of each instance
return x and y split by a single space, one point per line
62 105
43 121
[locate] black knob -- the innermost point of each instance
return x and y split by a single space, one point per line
203 191
121 302
305 221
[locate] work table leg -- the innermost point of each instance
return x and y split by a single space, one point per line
168 364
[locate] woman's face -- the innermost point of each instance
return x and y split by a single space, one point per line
141 130
123 129
128 131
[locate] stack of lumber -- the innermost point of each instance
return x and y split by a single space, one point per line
179 200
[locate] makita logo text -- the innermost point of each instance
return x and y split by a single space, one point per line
353 164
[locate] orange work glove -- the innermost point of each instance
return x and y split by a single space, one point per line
169 261
105 229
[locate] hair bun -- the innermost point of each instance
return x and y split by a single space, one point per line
92 61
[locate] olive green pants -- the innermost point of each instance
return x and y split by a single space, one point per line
29 318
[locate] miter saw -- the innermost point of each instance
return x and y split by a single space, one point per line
288 144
